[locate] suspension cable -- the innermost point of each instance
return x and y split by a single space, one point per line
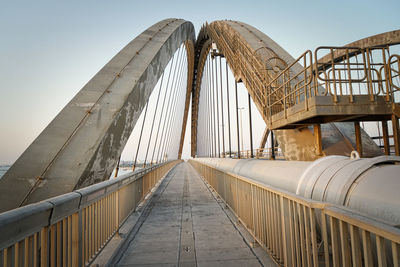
163 105
211 109
251 128
173 114
237 119
168 106
210 113
213 106
222 107
154 119
140 136
217 106
229 116
162 109
175 120
207 99
204 127
168 111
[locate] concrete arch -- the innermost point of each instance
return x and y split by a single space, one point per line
82 144
255 59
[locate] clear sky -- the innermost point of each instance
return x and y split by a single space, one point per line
50 49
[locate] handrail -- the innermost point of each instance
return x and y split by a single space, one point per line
391 70
345 71
74 227
297 231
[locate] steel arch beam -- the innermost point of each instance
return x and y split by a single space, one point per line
190 57
82 144
255 59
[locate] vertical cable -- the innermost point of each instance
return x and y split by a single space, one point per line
203 92
173 92
168 112
173 114
210 113
222 108
162 109
217 105
251 129
229 116
163 105
206 88
211 81
140 136
181 112
200 137
175 121
205 121
154 118
237 120
213 107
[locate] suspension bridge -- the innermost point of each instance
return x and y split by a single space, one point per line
294 162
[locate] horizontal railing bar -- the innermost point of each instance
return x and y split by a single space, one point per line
304 201
18 223
28 220
287 225
367 223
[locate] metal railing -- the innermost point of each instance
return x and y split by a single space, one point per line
343 71
266 153
302 232
259 153
71 229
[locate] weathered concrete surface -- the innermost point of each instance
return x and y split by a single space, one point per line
187 227
82 144
260 56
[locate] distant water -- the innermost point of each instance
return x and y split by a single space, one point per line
3 169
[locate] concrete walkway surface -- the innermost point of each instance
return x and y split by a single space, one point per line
186 226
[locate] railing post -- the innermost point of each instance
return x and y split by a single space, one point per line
75 240
44 246
318 139
395 124
253 211
358 137
385 135
349 74
325 239
117 210
237 197
80 237
283 232
335 99
369 76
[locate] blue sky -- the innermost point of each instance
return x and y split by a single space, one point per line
50 49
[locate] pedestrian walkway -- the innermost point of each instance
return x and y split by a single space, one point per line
186 226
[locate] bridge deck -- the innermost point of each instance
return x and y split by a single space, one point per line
186 226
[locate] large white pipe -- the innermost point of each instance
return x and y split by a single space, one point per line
367 185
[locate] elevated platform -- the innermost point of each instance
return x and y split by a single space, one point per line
322 109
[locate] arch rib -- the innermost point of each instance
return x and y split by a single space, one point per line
82 144
256 60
